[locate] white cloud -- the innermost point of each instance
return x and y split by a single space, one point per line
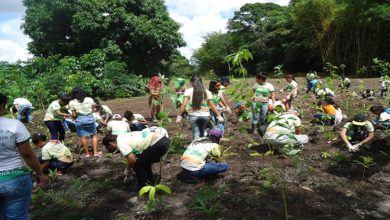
200 17
14 43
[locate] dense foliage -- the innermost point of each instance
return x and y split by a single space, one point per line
139 33
303 36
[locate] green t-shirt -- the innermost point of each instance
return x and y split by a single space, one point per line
262 92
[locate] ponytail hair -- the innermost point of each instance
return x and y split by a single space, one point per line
199 93
290 77
377 108
212 85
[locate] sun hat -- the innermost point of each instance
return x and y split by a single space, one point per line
216 133
117 116
225 79
359 120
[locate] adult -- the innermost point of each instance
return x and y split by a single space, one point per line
82 110
155 98
359 130
282 127
193 161
346 83
137 121
225 82
141 149
200 101
23 106
261 91
217 94
117 126
56 111
15 181
383 117
292 90
104 111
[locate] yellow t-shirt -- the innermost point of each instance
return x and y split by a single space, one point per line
56 150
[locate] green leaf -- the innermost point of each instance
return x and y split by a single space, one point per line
164 188
151 193
297 163
144 190
293 152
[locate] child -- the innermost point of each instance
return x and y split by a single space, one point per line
54 115
368 93
324 92
346 83
358 130
217 95
23 106
384 117
137 122
292 90
178 90
155 99
117 126
104 111
98 120
328 108
55 155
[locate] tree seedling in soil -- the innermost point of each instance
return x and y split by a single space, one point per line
225 153
53 175
336 159
367 163
264 174
294 150
385 154
154 203
252 143
106 183
242 129
177 144
325 155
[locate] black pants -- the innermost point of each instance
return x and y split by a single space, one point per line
56 129
143 167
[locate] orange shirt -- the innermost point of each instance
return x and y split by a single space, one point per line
329 109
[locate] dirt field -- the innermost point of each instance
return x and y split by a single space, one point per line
337 191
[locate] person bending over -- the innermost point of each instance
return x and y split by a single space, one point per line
56 111
117 126
383 119
359 130
369 94
329 111
137 121
104 111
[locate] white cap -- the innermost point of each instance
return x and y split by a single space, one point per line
117 116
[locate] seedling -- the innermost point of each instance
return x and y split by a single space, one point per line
152 194
367 163
325 155
252 143
53 175
336 159
264 174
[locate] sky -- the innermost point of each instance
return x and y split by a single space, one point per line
197 18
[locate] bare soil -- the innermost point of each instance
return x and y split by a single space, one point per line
337 192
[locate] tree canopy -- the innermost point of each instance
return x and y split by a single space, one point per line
137 32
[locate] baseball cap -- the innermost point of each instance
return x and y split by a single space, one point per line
225 79
216 133
117 116
359 120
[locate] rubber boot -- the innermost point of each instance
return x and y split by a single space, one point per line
254 128
154 118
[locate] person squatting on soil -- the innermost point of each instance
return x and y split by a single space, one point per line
82 108
141 149
54 115
55 155
322 92
369 94
217 95
155 101
261 91
200 101
292 91
98 120
329 110
15 180
137 122
383 120
104 111
345 84
194 159
23 106
292 126
117 126
178 93
359 130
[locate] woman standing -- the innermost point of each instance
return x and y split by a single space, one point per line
15 181
82 109
155 99
292 91
261 92
141 149
54 115
200 100
217 94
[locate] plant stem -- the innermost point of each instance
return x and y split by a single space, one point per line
308 167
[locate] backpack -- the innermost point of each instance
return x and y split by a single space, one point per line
338 117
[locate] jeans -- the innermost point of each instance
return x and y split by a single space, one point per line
25 109
198 125
15 197
105 116
309 86
56 130
208 170
319 116
69 124
137 127
263 112
221 126
153 154
56 164
346 85
364 96
384 124
275 139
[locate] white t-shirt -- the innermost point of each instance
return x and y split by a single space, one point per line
21 101
217 97
194 158
137 118
118 127
291 86
56 151
135 142
262 92
84 108
51 114
105 110
310 76
204 110
97 117
158 130
289 120
384 117
369 127
12 133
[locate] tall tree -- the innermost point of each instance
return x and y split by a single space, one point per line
137 32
